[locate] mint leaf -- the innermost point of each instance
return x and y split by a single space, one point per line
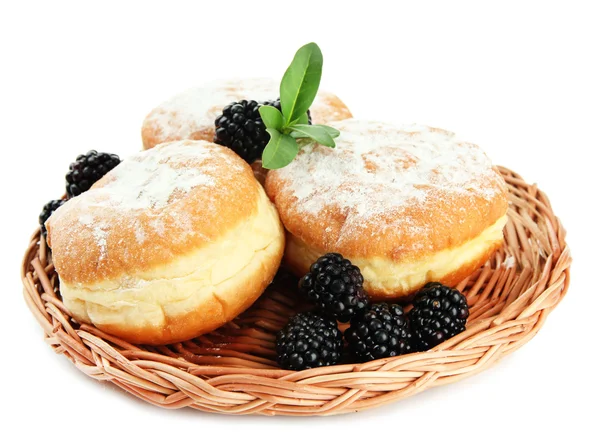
297 91
334 133
302 120
280 151
317 132
300 82
271 117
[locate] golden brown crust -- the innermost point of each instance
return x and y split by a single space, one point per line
172 243
138 239
329 108
444 219
387 193
190 115
329 231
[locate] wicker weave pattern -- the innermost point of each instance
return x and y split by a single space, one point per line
232 370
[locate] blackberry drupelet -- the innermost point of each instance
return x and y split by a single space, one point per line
87 169
309 341
438 313
241 128
336 286
49 208
382 331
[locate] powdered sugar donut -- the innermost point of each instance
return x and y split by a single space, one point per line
192 113
172 243
406 204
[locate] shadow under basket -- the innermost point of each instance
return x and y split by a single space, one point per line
233 369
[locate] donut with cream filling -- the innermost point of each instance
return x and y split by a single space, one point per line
172 243
406 204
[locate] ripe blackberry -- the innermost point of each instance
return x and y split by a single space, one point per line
87 169
309 341
336 286
241 128
382 331
438 313
49 208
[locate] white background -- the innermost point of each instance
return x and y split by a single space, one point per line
520 79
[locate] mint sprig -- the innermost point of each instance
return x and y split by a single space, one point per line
298 90
282 149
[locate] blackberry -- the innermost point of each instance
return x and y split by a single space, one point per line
382 331
49 208
309 341
438 313
336 286
87 169
241 128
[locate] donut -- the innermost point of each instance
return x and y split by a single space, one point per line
406 204
192 113
172 243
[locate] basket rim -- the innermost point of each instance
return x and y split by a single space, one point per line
536 287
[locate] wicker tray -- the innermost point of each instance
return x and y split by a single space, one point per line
233 371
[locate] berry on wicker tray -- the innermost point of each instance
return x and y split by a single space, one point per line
244 336
309 340
438 313
336 286
382 331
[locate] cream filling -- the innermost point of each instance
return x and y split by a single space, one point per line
398 278
178 287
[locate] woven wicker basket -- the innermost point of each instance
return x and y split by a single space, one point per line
233 371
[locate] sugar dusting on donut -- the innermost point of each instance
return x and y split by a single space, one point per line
378 168
149 182
196 108
194 111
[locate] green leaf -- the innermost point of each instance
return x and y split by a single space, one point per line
271 117
302 120
300 82
280 151
334 133
318 133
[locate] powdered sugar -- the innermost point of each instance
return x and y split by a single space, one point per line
192 113
150 180
196 108
100 235
377 167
